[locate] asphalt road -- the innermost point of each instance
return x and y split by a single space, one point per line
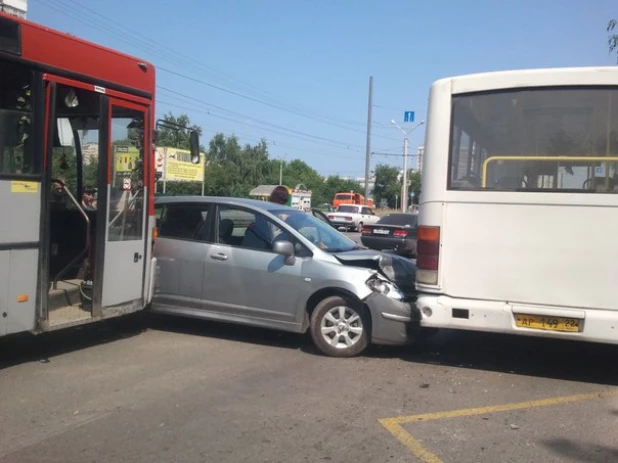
171 390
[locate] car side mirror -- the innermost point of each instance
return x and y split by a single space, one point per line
286 249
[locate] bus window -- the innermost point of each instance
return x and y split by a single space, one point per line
16 151
126 219
542 139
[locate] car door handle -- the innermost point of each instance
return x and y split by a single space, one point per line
219 256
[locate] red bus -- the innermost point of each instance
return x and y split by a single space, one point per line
76 179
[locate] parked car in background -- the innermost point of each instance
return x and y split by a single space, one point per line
263 264
396 232
352 217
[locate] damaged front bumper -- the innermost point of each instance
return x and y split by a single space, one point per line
393 322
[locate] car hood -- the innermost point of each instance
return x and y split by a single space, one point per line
399 270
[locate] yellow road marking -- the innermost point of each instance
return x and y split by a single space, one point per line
393 425
421 452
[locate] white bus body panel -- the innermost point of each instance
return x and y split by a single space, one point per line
538 253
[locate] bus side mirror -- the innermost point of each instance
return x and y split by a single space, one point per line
194 146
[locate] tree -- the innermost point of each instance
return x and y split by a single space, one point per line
414 179
612 39
170 136
388 185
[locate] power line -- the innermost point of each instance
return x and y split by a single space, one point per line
285 129
274 142
178 57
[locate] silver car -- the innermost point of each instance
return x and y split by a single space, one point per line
263 264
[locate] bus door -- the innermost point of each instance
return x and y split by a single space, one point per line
74 131
126 207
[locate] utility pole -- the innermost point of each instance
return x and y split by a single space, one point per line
281 170
368 147
404 193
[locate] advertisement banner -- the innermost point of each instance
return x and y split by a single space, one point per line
178 166
125 158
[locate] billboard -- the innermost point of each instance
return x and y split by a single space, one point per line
178 166
172 164
125 158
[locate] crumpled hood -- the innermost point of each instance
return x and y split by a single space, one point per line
397 269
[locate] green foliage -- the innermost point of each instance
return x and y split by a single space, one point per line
612 39
388 184
169 136
414 182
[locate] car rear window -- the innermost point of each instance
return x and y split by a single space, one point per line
347 209
409 220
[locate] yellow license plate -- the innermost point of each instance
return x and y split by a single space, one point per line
539 322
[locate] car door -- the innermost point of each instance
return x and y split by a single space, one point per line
243 276
369 216
181 251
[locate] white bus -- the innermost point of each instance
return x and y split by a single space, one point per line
519 206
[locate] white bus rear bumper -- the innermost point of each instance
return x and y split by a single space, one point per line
439 311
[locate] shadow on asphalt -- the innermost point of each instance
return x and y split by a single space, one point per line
25 348
522 355
586 452
549 358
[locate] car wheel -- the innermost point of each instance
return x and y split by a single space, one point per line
339 328
359 227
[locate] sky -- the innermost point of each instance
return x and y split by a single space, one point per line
296 72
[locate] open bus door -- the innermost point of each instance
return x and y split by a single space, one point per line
94 261
125 243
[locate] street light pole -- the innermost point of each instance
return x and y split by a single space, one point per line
404 194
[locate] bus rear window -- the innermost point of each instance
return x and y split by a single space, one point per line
16 100
545 139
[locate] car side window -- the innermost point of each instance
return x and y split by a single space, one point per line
366 211
184 222
250 230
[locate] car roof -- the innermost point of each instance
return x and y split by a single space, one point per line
256 203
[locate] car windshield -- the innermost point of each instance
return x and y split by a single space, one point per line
319 233
403 220
346 209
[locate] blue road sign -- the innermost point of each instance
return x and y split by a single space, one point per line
408 116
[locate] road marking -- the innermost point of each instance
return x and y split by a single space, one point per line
393 425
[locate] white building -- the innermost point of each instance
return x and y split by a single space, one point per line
15 7
420 152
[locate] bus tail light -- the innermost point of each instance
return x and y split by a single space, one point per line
155 235
427 255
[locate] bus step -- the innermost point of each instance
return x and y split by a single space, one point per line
65 304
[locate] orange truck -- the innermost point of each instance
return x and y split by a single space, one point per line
351 198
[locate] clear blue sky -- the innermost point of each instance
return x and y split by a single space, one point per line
314 58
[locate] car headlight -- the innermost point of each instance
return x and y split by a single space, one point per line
382 286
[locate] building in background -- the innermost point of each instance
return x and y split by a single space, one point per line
17 8
420 153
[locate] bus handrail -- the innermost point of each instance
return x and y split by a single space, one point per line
85 251
540 158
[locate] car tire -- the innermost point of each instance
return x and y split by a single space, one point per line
359 227
346 338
